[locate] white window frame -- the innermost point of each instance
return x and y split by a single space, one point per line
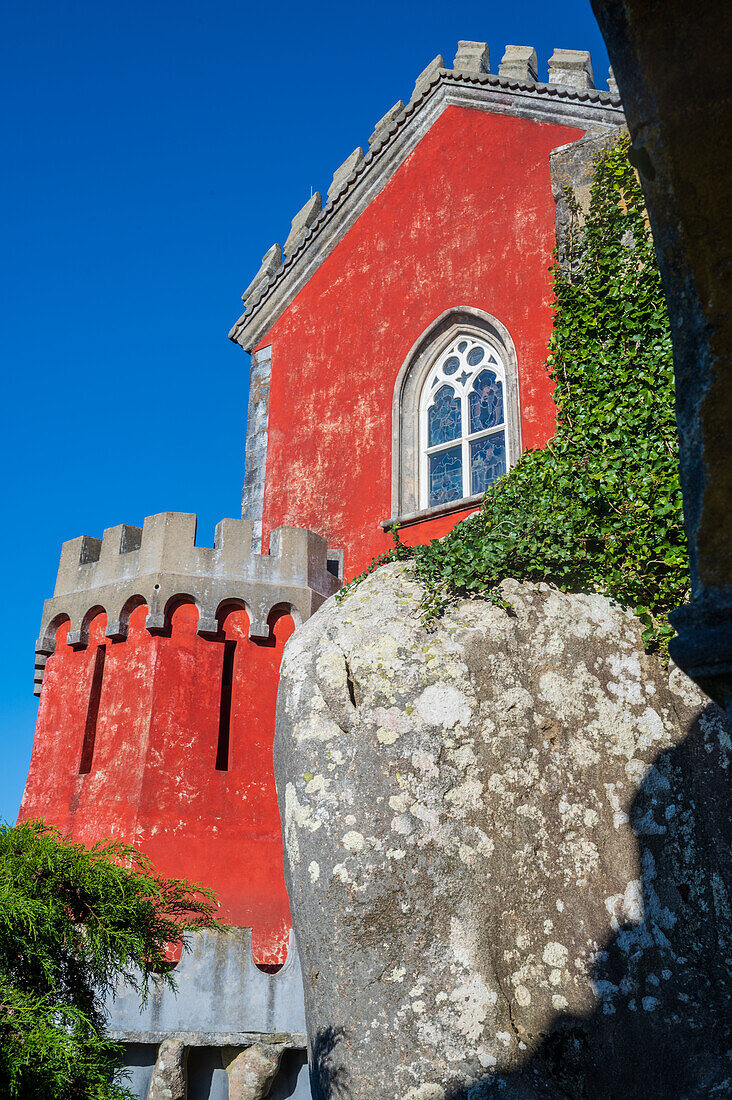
462 385
406 464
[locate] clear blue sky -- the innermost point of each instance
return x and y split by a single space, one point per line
153 152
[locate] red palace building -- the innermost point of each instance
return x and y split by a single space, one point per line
397 343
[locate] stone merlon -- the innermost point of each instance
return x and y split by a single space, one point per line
302 222
472 57
571 69
383 127
428 74
271 263
519 63
342 173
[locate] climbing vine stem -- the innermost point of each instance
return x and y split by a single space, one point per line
599 509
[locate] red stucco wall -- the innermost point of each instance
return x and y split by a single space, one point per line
153 780
468 219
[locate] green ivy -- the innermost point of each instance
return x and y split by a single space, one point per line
600 508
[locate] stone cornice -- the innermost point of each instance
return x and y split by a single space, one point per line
590 109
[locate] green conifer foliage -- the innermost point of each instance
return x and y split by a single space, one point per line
600 508
73 920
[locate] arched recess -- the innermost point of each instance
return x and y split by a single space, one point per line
117 629
82 638
461 320
280 611
227 607
47 643
172 604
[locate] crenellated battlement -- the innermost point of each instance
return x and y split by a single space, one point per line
159 564
568 95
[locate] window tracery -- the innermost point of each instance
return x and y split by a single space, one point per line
463 425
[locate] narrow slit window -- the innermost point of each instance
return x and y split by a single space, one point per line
92 714
227 680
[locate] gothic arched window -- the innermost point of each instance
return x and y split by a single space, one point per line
456 423
463 425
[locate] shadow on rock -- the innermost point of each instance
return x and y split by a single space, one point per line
662 1024
327 1080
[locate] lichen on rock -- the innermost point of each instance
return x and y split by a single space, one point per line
517 822
251 1071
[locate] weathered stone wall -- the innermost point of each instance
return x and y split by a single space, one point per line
223 998
571 168
506 851
262 1070
255 469
231 1029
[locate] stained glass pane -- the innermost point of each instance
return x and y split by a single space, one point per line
475 357
462 346
486 402
444 417
451 365
487 461
446 476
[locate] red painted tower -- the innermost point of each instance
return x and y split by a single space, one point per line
159 661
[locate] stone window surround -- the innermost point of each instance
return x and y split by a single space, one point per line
438 380
460 320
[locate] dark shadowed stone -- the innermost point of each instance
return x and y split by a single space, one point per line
507 851
671 61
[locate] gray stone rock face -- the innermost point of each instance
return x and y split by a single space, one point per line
252 1071
169 1075
507 851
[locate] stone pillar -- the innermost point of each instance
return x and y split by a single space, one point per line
256 445
169 1079
252 1071
670 60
